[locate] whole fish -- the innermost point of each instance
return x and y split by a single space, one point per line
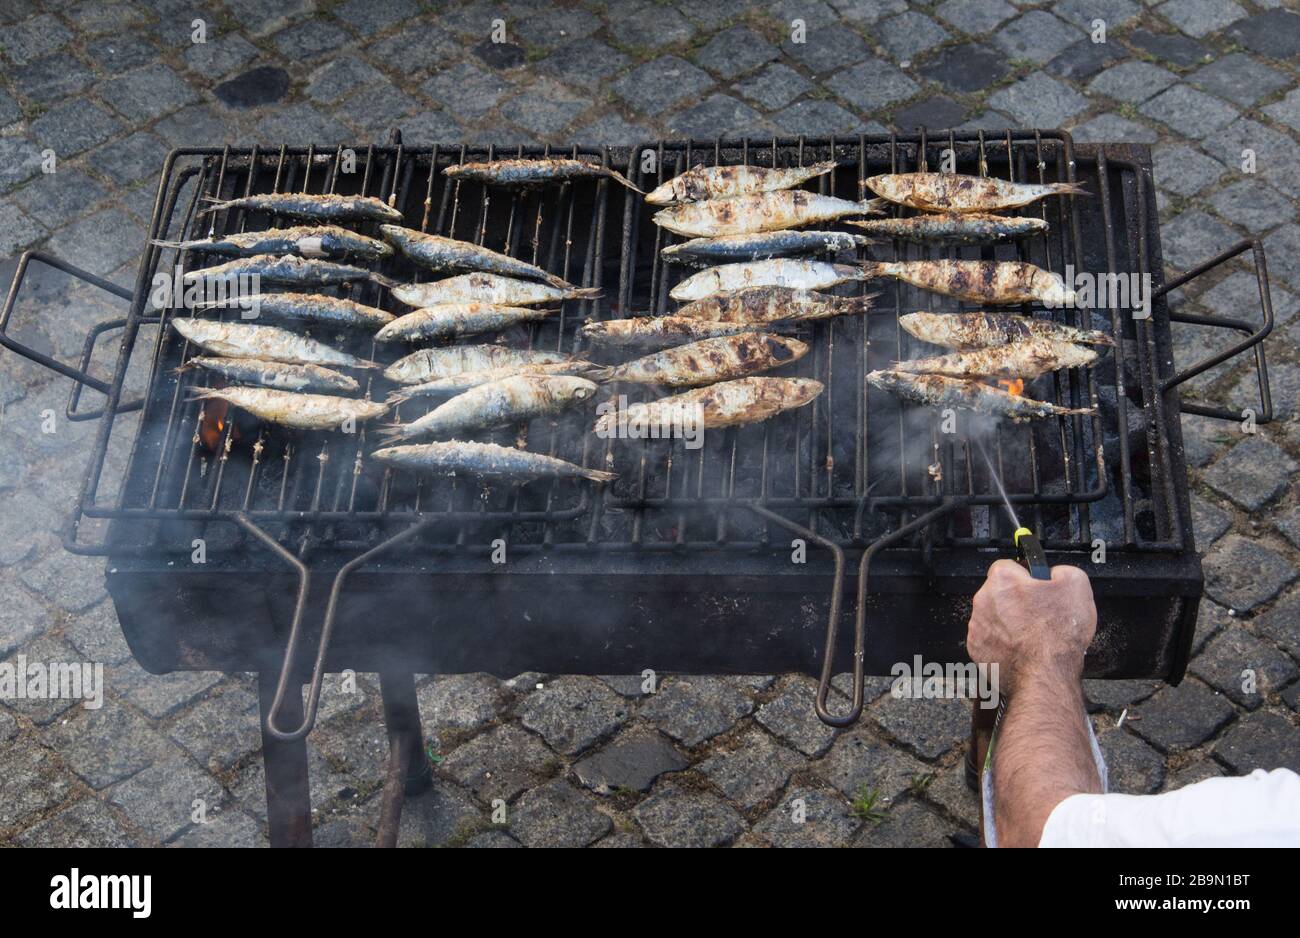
711 360
994 282
1026 359
778 272
484 459
301 411
284 270
952 192
488 288
773 304
450 320
309 307
721 182
512 400
268 374
760 211
269 343
454 384
327 241
985 330
533 172
940 391
951 227
761 245
317 207
439 253
726 404
428 364
658 331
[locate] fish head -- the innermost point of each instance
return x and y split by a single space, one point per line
391 213
392 233
783 349
661 195
805 389
573 389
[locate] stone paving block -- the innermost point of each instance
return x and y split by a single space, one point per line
1209 521
693 709
117 54
860 762
47 80
750 770
220 731
1084 59
73 583
340 77
160 800
827 48
733 52
910 824
1107 128
936 113
498 839
159 695
676 816
308 40
377 109
1291 697
812 12
1283 246
866 12
17 231
1288 522
716 115
1252 473
1211 619
1083 12
465 703
262 17
1132 767
190 125
1039 101
557 815
929 727
792 717
554 108
814 116
31 783
872 84
909 35
1172 48
713 15
219 56
420 47
557 26
51 198
1274 153
1281 623
649 26
572 713
975 17
1199 18
1242 573
631 762
1252 205
1244 668
947 788
611 129
1275 33
106 745
56 681
1189 112
442 815
430 126
1132 82
8 727
626 685
968 68
83 825
1037 36
356 748
1240 79
132 159
327 786
661 84
101 242
1181 717
229 828
32 38
1116 696
73 126
1198 770
585 64
298 124
500 763
808 817
1265 739
147 92
20 160
1194 237
22 618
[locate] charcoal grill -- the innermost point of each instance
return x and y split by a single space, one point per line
319 560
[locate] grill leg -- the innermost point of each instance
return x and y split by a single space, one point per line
288 795
408 769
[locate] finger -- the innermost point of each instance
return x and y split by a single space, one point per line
1008 568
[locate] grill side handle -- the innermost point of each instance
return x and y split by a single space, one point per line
1254 337
80 375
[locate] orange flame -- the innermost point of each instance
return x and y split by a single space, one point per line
1014 386
214 424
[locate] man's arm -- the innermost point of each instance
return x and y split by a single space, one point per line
1036 632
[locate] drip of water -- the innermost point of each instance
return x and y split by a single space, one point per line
997 480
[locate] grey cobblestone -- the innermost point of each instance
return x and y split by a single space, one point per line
679 817
1039 101
1252 473
693 709
631 762
86 824
910 824
750 770
1244 668
1242 574
1265 739
1182 717
557 815
1199 18
160 800
808 817
791 717
500 763
572 713
1037 36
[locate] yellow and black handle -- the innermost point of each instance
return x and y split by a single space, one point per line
1032 556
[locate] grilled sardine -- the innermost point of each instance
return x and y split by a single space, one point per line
463 381
317 241
1026 359
309 307
488 288
484 459
726 404
285 270
429 364
761 211
711 360
953 192
721 182
533 172
268 374
761 245
439 253
301 411
269 343
985 330
993 282
951 227
658 331
773 304
779 272
316 207
517 399
940 391
451 320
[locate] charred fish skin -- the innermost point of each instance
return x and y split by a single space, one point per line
523 172
762 245
653 332
328 242
759 305
488 288
322 207
268 343
453 320
279 375
701 183
439 253
1025 359
284 270
711 360
966 331
455 384
953 228
484 459
292 409
941 391
760 211
954 192
725 404
514 400
430 364
996 283
309 307
779 272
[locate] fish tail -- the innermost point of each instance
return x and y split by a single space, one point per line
366 364
399 396
872 269
583 293
178 245
622 180
390 433
825 166
215 204
597 475
1076 411
601 373
557 281
1069 188
202 394
383 281
873 206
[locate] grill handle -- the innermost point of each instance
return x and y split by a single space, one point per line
1254 337
81 375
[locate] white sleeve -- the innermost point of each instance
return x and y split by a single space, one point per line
1261 809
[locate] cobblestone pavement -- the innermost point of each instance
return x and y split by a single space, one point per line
110 85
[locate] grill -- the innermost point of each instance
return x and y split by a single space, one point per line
317 559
